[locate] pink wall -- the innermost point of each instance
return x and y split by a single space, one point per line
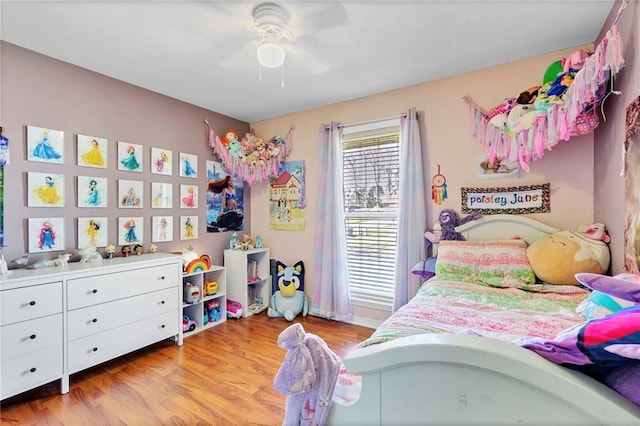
609 194
44 92
447 141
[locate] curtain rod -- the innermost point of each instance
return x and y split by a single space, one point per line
342 126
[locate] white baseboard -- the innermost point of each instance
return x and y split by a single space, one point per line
365 322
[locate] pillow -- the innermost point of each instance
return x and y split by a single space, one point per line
492 263
610 294
557 258
425 268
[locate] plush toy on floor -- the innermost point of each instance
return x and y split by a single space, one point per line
307 376
288 298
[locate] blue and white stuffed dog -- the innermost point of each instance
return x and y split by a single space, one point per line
288 298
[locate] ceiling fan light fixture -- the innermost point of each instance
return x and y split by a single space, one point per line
270 55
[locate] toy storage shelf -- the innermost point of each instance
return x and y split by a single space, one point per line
201 302
248 279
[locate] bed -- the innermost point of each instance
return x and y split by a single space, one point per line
428 373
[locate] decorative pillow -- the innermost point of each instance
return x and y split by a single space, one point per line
425 268
610 294
492 263
557 258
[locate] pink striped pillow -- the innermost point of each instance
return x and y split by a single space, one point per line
500 263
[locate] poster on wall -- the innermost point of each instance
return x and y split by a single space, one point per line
499 168
46 145
632 188
225 199
287 199
92 232
46 234
507 200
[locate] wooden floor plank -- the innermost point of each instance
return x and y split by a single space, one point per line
223 375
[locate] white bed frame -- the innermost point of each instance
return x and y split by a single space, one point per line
458 379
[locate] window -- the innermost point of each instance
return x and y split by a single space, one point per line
371 160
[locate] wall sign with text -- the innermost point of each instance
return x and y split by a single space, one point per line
507 200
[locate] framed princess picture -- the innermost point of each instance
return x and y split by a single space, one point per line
188 197
188 227
92 232
92 151
46 145
92 191
161 161
188 165
162 229
46 234
130 230
45 189
130 193
130 157
161 195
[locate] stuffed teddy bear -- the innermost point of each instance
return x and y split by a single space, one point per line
288 298
307 376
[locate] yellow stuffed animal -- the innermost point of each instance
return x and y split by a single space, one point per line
556 258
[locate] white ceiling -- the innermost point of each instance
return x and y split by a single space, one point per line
203 52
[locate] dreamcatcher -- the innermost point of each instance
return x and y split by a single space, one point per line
250 158
438 187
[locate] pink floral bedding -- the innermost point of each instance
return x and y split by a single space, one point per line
505 314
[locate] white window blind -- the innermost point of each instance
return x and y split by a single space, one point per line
371 177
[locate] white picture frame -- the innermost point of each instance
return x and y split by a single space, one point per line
45 145
162 229
92 151
130 230
130 157
92 232
46 234
93 192
161 161
45 189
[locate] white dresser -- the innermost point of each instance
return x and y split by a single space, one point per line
57 321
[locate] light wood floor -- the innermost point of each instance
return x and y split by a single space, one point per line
222 375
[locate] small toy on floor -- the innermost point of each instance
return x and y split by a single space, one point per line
234 309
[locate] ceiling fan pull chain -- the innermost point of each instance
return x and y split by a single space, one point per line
260 74
282 76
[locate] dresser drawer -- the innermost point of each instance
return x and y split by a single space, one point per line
30 370
95 319
100 347
91 290
26 303
30 336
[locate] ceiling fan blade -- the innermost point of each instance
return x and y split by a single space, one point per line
312 17
241 58
306 59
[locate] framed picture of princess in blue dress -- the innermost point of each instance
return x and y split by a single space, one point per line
92 151
46 145
188 165
46 234
130 230
92 191
130 157
45 190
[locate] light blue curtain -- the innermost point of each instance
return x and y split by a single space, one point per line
412 206
330 275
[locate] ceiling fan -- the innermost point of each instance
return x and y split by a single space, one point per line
295 35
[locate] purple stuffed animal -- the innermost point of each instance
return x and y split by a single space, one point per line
449 220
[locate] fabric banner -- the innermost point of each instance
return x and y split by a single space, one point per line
507 200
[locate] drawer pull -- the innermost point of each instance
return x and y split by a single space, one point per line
32 303
94 320
32 369
33 336
162 326
162 302
95 349
94 291
162 277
